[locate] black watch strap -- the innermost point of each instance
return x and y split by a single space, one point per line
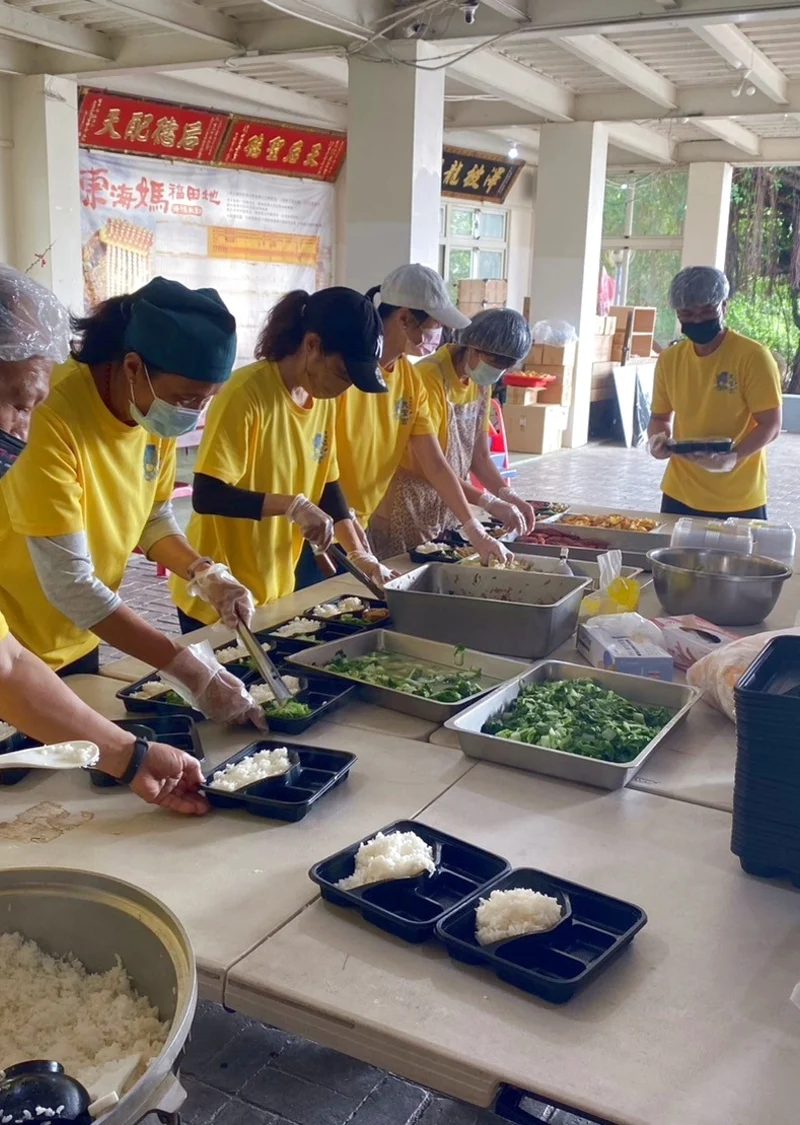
140 748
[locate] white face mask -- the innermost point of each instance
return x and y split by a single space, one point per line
483 373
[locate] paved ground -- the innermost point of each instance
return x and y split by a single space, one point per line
239 1072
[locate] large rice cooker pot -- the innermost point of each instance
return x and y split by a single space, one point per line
98 919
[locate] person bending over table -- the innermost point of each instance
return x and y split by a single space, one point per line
95 481
714 383
458 380
374 434
267 476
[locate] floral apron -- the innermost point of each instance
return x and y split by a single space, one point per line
412 511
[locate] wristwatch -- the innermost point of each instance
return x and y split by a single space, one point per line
140 748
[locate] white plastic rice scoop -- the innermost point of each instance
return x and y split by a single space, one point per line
56 756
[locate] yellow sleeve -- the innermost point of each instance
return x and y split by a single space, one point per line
3 628
166 476
224 450
661 400
487 415
43 493
422 423
762 382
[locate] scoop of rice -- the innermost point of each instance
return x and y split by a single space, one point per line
263 693
400 855
149 690
508 914
253 768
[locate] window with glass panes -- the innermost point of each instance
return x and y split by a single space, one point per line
473 243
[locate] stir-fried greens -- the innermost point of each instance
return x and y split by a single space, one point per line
421 678
580 717
291 709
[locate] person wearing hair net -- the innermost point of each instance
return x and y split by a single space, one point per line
34 334
714 383
374 432
459 379
95 480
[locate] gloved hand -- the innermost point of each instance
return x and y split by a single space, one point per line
361 533
215 584
510 516
486 547
171 779
197 675
657 447
714 462
528 513
372 568
316 527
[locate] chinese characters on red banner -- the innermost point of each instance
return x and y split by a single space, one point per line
98 190
476 175
118 124
271 147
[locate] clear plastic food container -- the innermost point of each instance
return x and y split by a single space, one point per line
705 534
770 540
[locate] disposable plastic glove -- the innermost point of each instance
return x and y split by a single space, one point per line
510 517
197 675
215 584
316 527
657 447
486 547
528 511
373 569
714 462
171 779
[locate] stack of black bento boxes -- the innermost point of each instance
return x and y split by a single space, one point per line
766 800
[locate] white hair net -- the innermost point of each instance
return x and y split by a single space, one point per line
697 286
33 322
498 332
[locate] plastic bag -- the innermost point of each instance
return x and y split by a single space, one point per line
615 594
554 333
718 673
33 322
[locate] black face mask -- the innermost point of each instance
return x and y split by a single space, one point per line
10 449
703 332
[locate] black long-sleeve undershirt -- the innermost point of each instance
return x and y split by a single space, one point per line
212 497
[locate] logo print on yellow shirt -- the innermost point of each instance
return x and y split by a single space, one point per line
402 411
321 447
727 382
150 462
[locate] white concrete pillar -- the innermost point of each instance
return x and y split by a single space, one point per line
394 165
46 183
708 205
566 246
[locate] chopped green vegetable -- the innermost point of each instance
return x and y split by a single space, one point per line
172 697
291 709
579 717
421 678
352 619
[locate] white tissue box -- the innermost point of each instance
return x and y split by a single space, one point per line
634 656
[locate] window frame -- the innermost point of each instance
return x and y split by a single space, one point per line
475 244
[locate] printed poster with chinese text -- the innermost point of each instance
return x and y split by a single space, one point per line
249 235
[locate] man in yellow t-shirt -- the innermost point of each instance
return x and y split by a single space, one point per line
713 384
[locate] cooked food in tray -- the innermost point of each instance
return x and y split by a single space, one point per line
400 855
612 522
554 537
414 677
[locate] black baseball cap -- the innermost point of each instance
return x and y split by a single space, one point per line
349 326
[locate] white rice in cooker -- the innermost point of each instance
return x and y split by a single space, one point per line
509 914
253 768
400 855
52 1008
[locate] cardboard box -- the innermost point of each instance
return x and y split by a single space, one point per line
623 654
534 357
534 429
560 392
602 348
522 396
611 325
559 356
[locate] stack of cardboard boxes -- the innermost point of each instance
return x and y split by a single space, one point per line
538 427
602 363
641 332
473 296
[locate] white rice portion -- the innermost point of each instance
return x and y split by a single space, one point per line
509 914
400 855
149 690
263 693
52 1008
253 768
335 609
236 652
7 731
299 627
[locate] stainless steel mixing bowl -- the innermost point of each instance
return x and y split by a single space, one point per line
724 588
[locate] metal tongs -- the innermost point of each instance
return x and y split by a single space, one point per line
264 665
339 556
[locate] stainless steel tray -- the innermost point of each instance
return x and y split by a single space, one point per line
640 541
557 763
549 564
488 610
637 560
494 669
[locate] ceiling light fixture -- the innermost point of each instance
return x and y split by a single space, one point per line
745 86
513 151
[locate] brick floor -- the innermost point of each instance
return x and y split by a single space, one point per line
239 1072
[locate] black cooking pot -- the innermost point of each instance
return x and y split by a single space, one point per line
42 1084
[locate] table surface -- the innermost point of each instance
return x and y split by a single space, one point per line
692 1024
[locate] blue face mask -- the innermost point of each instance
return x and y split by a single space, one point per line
163 419
483 373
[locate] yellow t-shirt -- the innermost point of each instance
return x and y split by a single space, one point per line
373 432
3 628
82 470
717 396
258 438
444 388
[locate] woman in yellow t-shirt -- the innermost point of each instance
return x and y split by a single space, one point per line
458 380
267 475
94 482
373 435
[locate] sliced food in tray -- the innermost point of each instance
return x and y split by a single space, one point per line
642 525
440 551
277 780
351 614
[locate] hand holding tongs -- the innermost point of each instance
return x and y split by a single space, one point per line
264 665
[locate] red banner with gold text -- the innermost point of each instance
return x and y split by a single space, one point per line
116 124
269 146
